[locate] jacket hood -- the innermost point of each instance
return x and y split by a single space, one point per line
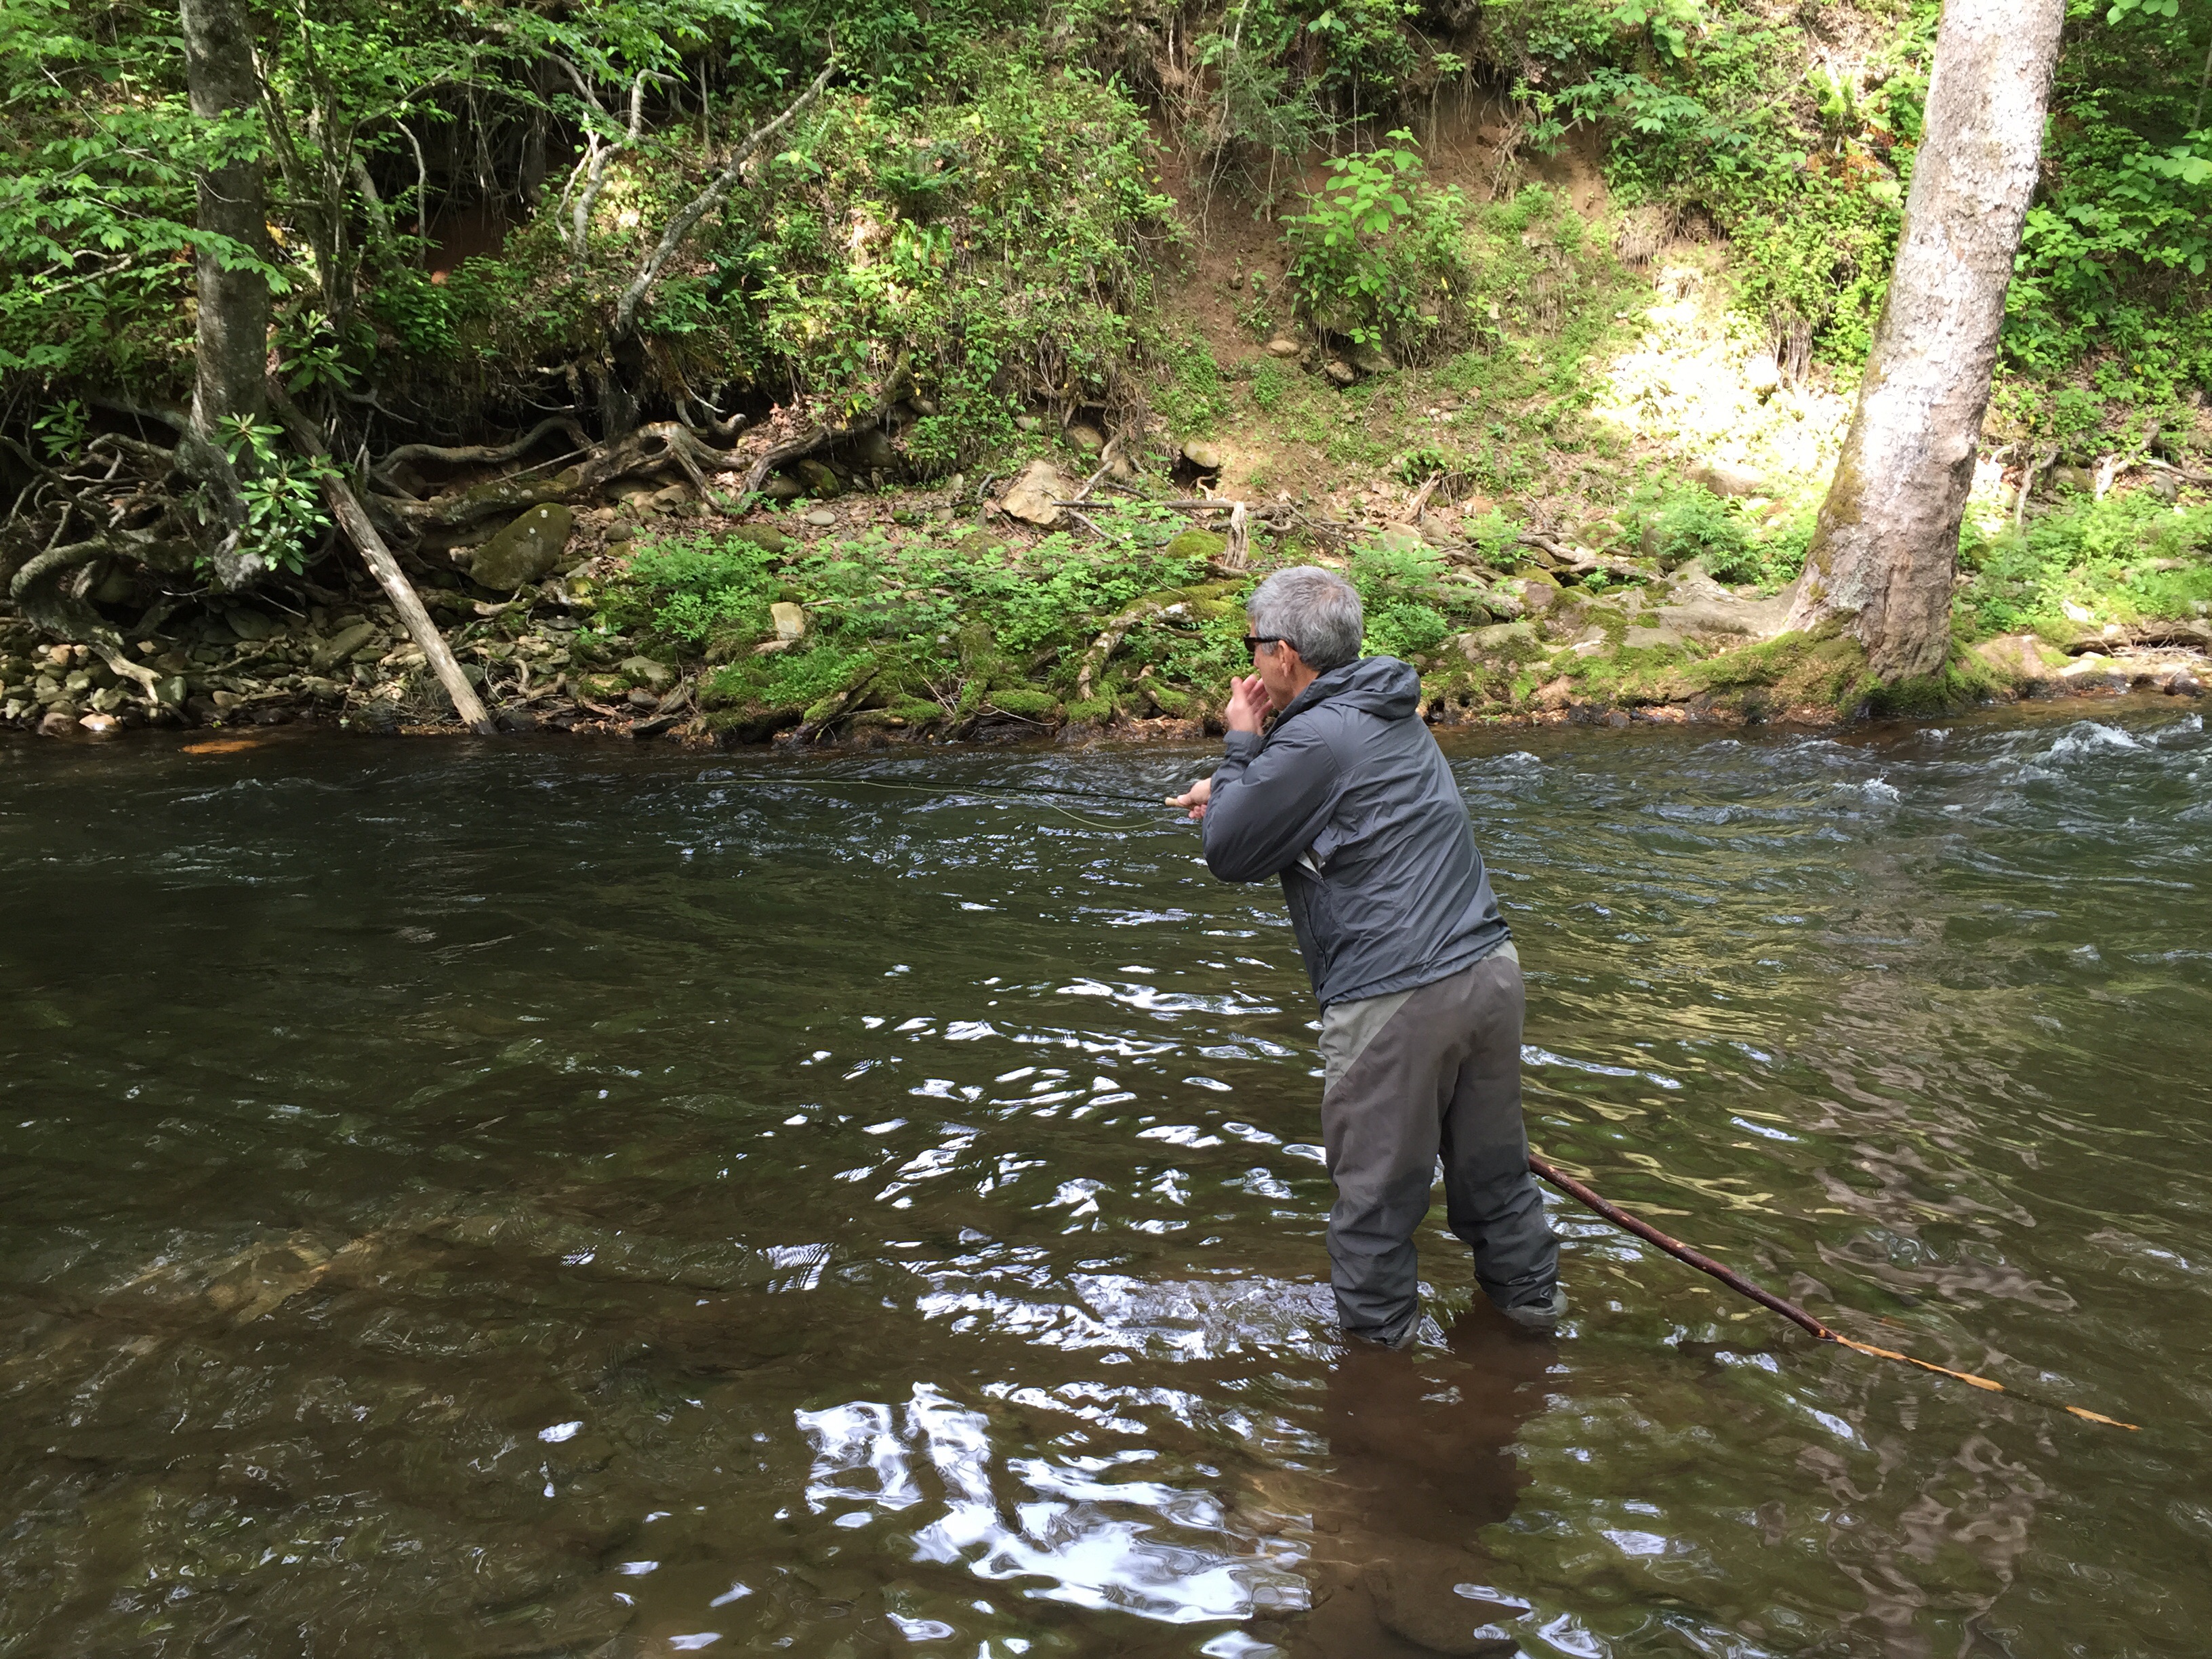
1381 686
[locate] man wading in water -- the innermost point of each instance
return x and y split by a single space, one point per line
1346 798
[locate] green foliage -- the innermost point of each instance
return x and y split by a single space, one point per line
283 494
2126 558
932 613
1377 254
1411 601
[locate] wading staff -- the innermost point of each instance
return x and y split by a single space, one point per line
1588 1197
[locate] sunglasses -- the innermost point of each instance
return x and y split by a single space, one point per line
1254 641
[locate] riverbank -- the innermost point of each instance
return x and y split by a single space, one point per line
953 614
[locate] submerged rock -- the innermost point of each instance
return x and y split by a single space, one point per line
528 550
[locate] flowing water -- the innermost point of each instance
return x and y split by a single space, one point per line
582 1200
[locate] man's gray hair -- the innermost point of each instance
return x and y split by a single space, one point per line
1317 611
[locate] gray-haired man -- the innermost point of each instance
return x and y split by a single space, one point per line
1346 798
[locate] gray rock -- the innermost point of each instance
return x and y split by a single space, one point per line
1371 360
2073 477
1498 640
1027 423
1762 377
1400 538
2184 684
821 518
874 452
1205 457
790 620
1086 440
528 550
250 624
1652 639
1730 478
1283 346
780 486
57 723
766 537
342 644
647 672
1338 371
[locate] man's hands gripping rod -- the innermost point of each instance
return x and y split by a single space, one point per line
1249 706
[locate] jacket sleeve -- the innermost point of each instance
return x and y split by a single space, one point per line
1271 797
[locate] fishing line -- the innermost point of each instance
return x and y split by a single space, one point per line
1588 1196
1011 791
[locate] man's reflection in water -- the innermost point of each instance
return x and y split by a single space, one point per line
1419 1465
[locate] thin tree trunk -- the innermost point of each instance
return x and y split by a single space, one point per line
1885 548
231 331
231 337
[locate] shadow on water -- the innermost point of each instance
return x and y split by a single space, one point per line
536 1200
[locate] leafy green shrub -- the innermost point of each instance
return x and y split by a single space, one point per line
2127 558
1377 254
1678 523
691 589
1410 603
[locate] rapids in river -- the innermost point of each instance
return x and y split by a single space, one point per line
560 1198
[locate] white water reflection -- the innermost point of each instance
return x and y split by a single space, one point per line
1075 1529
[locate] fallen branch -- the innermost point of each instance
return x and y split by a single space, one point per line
699 205
1102 649
353 518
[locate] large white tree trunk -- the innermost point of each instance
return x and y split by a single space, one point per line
1886 546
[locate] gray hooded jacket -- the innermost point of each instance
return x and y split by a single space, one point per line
1347 797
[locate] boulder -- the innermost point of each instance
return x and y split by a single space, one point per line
819 480
1371 360
645 671
1340 371
1731 478
2018 657
1762 378
1205 457
780 486
821 518
1500 640
2184 684
57 723
1283 346
1660 638
1033 496
527 550
1400 538
873 450
790 620
250 624
1086 440
2073 477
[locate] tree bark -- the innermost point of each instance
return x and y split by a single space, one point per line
231 339
1885 548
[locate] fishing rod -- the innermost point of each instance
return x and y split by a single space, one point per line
1590 1199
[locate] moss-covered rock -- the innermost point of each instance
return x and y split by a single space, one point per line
1198 544
1024 701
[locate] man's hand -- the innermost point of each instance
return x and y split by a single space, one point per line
1195 798
1249 705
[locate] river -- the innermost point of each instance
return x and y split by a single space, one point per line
587 1200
